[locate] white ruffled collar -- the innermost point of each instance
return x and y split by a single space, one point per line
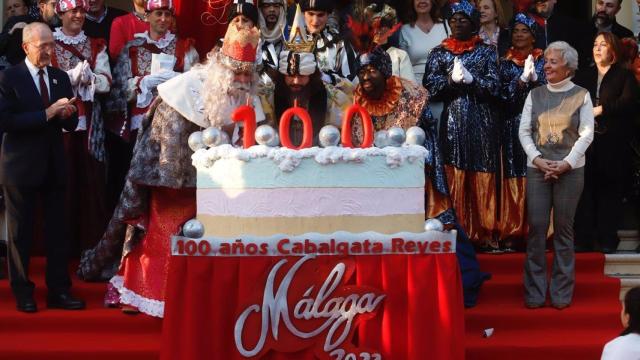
162 43
69 39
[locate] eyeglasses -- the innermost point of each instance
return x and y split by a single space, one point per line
44 46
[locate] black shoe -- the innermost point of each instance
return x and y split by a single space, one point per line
26 305
64 301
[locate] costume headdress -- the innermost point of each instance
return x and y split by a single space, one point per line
297 58
375 16
379 59
66 5
463 7
246 8
159 4
275 33
239 48
318 5
524 19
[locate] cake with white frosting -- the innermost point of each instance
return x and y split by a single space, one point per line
263 190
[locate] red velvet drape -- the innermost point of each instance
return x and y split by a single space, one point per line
203 20
421 317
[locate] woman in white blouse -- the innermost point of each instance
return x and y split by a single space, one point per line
555 131
627 345
423 30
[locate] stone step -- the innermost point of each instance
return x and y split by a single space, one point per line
629 240
618 265
626 283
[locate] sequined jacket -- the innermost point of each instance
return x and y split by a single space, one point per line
468 128
513 93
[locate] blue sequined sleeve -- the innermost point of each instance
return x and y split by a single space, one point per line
436 74
483 66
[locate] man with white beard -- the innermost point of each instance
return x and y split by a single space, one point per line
159 195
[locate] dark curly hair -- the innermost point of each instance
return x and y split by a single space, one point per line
632 308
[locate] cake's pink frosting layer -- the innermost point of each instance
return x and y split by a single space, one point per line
310 202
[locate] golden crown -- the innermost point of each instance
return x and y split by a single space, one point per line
299 40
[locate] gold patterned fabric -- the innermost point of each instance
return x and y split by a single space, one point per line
513 218
473 195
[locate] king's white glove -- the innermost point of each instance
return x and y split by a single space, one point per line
149 83
152 81
75 74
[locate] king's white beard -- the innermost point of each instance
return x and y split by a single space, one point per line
218 82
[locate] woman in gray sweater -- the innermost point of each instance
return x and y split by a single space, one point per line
555 131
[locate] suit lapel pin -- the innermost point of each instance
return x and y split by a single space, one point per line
55 82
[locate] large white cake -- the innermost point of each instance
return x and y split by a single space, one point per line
263 191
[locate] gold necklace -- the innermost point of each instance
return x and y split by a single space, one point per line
553 137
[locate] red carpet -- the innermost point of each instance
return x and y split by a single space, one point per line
96 333
578 332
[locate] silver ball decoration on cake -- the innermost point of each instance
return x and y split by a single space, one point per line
224 138
274 142
416 136
329 136
265 134
433 225
396 136
381 139
211 136
195 141
193 229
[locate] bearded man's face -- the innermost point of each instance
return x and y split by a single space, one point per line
241 83
297 83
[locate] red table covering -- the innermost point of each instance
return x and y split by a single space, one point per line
420 317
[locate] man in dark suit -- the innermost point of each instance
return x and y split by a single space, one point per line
36 103
555 27
604 20
99 19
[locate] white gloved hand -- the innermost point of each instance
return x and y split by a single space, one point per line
533 76
457 75
529 71
467 78
75 74
86 76
167 75
150 82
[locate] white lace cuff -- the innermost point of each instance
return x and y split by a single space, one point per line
145 305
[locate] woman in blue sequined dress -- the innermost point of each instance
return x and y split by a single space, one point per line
463 73
521 69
